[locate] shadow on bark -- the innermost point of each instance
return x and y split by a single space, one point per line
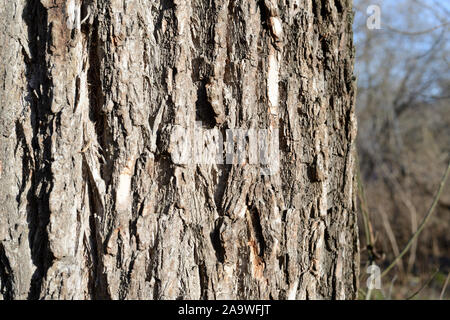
38 212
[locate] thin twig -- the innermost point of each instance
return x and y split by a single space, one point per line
362 293
441 297
416 33
365 214
391 237
369 294
410 206
391 287
422 224
423 286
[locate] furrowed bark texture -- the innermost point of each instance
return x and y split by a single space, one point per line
93 205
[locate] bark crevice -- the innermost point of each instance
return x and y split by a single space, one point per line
42 122
6 275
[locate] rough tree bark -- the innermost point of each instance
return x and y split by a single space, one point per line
92 205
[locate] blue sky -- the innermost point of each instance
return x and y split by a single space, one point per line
399 49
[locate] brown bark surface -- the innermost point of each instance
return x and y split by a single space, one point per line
92 203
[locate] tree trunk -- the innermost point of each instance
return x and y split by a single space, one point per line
95 202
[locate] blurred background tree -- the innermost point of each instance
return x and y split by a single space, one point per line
404 141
